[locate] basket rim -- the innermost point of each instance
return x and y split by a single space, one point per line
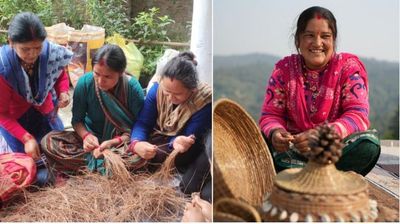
259 150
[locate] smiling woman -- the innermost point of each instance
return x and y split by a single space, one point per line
316 86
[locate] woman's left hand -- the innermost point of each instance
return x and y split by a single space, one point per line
97 153
301 140
63 100
183 143
106 145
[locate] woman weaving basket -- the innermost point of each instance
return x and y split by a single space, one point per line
318 85
106 103
176 115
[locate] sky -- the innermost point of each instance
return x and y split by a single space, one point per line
367 28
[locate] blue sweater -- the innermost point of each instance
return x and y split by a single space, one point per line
198 124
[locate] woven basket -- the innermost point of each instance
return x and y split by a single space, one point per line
226 217
243 166
229 209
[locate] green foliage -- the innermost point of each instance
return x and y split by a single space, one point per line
109 14
149 26
243 79
9 8
71 12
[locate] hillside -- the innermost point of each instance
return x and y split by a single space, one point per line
243 78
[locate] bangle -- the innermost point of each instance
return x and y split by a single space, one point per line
119 139
85 135
26 137
132 146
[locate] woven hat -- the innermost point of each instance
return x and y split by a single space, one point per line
243 166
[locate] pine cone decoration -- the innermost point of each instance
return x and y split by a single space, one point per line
325 144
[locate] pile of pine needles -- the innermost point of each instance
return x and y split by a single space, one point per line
119 197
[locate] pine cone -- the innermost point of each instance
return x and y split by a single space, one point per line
325 144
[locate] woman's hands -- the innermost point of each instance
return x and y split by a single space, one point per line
63 100
90 142
198 210
183 143
148 151
145 150
280 139
301 140
31 148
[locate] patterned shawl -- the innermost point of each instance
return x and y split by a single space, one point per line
52 60
170 121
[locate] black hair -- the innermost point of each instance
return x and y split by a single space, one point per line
310 13
26 27
182 68
113 57
208 145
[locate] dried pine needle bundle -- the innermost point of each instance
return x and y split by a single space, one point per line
116 166
165 174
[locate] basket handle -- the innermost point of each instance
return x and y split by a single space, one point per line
237 205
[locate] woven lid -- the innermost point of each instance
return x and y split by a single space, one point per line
320 192
243 166
315 178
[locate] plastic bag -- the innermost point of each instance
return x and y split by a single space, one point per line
84 43
161 62
133 56
58 33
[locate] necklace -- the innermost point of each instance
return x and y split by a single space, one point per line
28 67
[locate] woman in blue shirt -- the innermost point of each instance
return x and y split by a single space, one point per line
176 115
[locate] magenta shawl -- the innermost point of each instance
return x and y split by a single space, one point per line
341 97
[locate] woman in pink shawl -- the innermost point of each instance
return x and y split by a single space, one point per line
315 86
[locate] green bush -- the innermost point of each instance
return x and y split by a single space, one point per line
9 8
109 14
149 26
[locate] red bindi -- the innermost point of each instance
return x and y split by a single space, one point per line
318 15
101 62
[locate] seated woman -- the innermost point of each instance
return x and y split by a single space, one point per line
315 86
106 103
33 85
176 115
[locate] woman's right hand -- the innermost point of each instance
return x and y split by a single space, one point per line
31 148
280 140
90 143
206 207
193 213
145 150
